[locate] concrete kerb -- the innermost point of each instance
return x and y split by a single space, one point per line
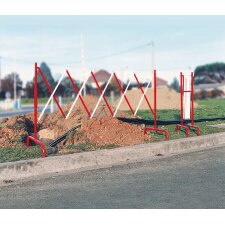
107 157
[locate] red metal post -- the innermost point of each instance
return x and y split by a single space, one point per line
35 100
155 104
77 92
100 90
181 98
192 98
155 128
125 97
146 99
50 90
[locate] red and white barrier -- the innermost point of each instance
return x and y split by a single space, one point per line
79 96
187 103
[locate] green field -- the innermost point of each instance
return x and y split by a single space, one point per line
206 109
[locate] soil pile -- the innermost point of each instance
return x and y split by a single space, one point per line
102 129
14 130
166 99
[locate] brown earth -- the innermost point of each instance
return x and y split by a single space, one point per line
102 129
166 99
14 130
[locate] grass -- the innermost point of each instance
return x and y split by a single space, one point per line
206 109
29 101
19 153
87 147
26 101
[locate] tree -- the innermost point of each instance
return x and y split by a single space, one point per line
29 89
66 89
8 84
175 85
42 88
210 73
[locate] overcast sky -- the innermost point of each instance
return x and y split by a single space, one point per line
181 43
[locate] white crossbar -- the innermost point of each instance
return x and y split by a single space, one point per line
143 95
79 93
122 98
46 105
101 96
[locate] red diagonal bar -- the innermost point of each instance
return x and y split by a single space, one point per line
77 92
50 90
100 90
121 89
146 99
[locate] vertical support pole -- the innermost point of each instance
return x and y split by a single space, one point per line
192 98
181 99
155 103
35 99
155 111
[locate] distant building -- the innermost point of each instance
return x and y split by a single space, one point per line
210 87
213 90
160 82
102 76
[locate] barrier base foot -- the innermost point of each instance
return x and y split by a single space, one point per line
196 128
157 130
183 127
39 143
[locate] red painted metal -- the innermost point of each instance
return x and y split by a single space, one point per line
155 128
50 90
125 97
100 90
77 92
35 100
146 99
38 142
182 91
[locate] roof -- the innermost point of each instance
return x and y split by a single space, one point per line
161 82
101 76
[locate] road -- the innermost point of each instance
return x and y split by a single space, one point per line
194 180
22 111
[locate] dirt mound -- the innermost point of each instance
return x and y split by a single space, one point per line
14 130
102 129
107 131
166 99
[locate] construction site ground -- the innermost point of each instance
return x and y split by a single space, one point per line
100 133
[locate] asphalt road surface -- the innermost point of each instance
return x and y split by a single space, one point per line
22 111
194 180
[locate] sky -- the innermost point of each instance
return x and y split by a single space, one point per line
180 44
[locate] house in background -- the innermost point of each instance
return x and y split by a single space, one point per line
159 83
212 90
102 76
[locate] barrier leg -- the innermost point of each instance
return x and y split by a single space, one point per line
165 132
155 128
183 127
39 143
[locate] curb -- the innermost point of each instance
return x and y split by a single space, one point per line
107 157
